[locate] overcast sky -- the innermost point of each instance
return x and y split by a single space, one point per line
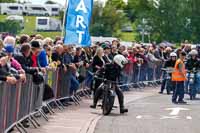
59 1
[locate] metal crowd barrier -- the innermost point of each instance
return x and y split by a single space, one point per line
2 106
140 75
23 101
18 103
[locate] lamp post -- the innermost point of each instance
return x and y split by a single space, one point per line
144 29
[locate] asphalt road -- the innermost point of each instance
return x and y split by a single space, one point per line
155 114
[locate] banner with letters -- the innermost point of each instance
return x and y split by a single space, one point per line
77 22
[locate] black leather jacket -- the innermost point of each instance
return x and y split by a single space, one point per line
26 63
192 64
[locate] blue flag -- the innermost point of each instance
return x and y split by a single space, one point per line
78 16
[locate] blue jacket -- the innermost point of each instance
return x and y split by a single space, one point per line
42 59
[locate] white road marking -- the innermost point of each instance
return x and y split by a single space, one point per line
169 117
139 117
176 111
189 117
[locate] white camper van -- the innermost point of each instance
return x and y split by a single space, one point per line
47 24
20 19
33 9
11 9
54 9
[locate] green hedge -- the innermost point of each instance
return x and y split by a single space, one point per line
10 26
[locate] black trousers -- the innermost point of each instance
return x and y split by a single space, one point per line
118 91
179 91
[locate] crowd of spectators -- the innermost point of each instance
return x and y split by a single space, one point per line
35 54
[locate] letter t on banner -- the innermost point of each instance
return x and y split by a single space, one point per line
77 22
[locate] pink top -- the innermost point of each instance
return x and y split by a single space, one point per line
16 64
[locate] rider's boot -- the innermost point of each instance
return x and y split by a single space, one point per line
121 101
93 106
123 110
97 95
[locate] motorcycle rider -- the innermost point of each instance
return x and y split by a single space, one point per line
193 62
112 72
192 65
168 64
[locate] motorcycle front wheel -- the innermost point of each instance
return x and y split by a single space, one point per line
108 102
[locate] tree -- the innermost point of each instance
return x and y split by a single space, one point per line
10 26
7 1
138 9
194 19
117 4
171 20
106 21
50 2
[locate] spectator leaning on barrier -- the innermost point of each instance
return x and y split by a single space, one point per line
114 51
152 61
48 41
98 61
129 68
124 73
57 38
88 54
9 66
57 55
79 61
97 64
135 65
122 48
143 62
43 60
167 53
71 68
4 76
94 49
159 54
22 40
48 51
187 48
9 44
35 52
25 60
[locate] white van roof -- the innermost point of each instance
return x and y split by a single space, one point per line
15 17
42 17
39 5
52 5
14 4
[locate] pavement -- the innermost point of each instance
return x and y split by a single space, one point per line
82 119
154 114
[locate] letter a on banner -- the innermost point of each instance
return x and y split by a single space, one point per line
78 15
